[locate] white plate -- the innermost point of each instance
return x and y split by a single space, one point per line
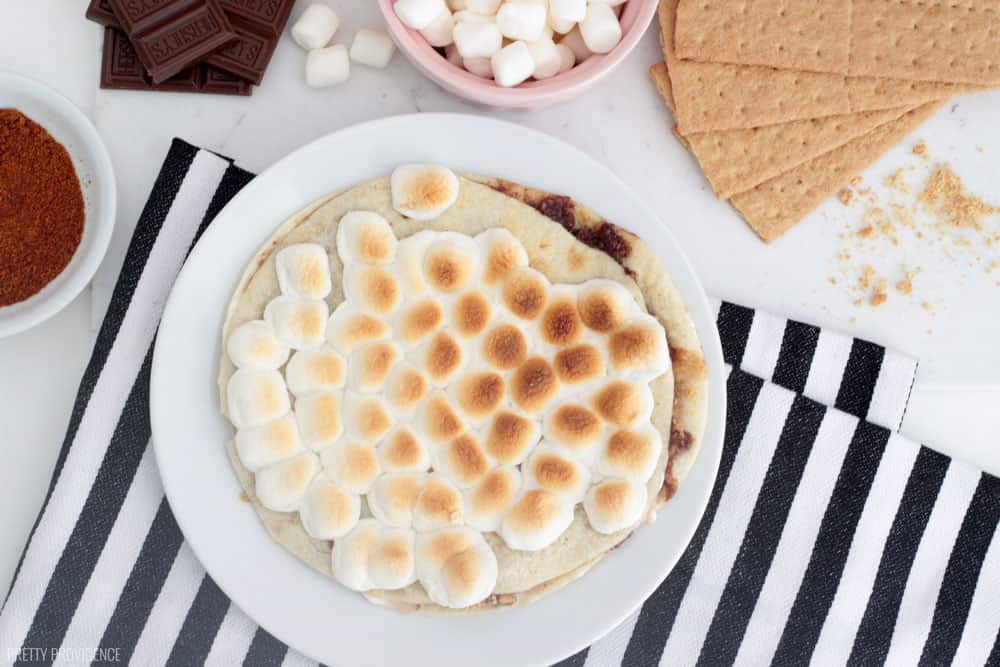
72 129
294 603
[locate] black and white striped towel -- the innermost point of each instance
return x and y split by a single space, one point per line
828 537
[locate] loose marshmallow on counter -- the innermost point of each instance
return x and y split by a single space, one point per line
328 67
456 567
600 29
320 419
476 39
441 31
254 346
256 397
574 40
512 64
521 20
423 191
308 371
568 10
281 486
298 323
418 14
614 504
546 57
261 446
315 27
303 270
366 237
372 48
329 511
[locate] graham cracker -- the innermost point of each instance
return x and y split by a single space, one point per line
923 40
776 205
737 160
714 96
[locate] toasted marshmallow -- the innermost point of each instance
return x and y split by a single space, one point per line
438 420
438 504
502 255
392 563
533 385
392 497
374 556
561 325
298 323
319 419
488 501
365 237
349 327
579 364
639 349
623 403
254 346
404 388
614 504
372 288
526 293
415 323
631 454
261 446
575 429
505 346
353 466
370 365
478 394
471 314
440 358
402 451
409 264
329 511
310 371
303 271
456 567
256 397
366 417
605 305
451 262
281 486
423 191
536 520
462 460
510 437
553 471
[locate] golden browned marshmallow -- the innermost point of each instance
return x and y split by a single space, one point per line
631 454
438 504
329 511
366 237
260 446
534 384
392 561
479 394
526 293
604 305
639 348
303 270
623 403
298 323
409 263
253 346
404 388
614 504
372 287
456 567
374 556
402 451
308 371
366 417
441 358
510 437
280 487
505 347
502 254
352 466
575 428
448 269
462 460
471 313
561 324
553 471
536 520
255 397
319 419
349 327
489 500
369 366
423 191
392 497
420 320
579 364
439 420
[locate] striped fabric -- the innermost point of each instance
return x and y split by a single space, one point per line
828 537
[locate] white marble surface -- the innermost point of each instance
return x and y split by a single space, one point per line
622 123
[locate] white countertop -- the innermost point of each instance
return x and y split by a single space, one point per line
622 123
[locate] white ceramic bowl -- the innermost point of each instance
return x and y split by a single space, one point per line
67 124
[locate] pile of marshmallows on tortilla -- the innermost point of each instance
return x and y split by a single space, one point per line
512 41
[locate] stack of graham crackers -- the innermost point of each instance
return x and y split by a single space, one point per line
782 102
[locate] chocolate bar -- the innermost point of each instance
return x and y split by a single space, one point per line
99 11
122 70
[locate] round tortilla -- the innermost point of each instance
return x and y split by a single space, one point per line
551 228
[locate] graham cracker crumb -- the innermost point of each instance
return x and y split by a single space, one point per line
866 232
905 286
856 181
896 182
921 150
846 196
244 497
944 195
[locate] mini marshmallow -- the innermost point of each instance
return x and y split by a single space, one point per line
521 20
409 264
483 7
391 565
261 446
438 505
478 394
281 486
404 389
468 16
303 271
253 346
440 32
401 450
308 371
351 466
631 453
423 191
638 350
547 58
549 469
481 67
315 27
373 48
564 11
560 26
418 14
452 55
440 358
502 254
488 501
536 520
574 40
456 566
510 437
328 511
600 29
574 429
365 237
374 556
605 305
462 460
418 320
392 496
566 58
526 292
471 314
438 420
369 365
256 397
320 419
623 404
512 64
614 504
298 323
372 288
328 67
451 262
349 327
477 40
366 418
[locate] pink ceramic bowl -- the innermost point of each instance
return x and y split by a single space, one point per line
635 18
